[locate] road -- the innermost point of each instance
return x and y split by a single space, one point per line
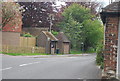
75 67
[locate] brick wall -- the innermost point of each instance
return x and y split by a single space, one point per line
111 42
11 38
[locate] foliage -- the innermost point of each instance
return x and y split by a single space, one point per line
36 14
77 12
93 5
82 28
54 32
90 50
100 57
10 13
93 33
27 35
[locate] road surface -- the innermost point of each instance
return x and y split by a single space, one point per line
75 67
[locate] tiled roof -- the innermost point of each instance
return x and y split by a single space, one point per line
61 36
113 7
50 35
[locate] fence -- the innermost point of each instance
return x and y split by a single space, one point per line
27 41
18 49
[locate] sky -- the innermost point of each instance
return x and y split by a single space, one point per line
105 2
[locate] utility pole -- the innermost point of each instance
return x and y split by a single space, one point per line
110 1
51 17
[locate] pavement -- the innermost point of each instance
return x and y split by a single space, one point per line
50 67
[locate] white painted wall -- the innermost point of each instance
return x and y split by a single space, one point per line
118 55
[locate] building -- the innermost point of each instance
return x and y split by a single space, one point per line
48 41
11 32
63 43
111 19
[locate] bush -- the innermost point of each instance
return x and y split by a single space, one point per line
27 35
100 57
91 50
54 32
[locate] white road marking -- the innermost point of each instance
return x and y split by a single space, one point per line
29 64
5 68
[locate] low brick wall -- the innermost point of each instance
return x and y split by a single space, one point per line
18 49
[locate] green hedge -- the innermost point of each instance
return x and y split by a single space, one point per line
27 35
100 57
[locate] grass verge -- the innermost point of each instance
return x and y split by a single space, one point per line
75 52
25 54
80 52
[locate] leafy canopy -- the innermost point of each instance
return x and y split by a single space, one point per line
82 28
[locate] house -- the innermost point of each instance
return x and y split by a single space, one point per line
11 32
63 43
111 19
48 41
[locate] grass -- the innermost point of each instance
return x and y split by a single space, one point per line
30 54
25 54
80 52
75 52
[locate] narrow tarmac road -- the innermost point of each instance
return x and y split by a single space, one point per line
75 67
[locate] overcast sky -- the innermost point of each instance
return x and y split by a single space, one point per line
105 2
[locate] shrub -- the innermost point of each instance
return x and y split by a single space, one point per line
91 50
27 35
54 32
100 57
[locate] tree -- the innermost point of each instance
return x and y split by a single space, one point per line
93 5
36 14
93 32
81 27
10 13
